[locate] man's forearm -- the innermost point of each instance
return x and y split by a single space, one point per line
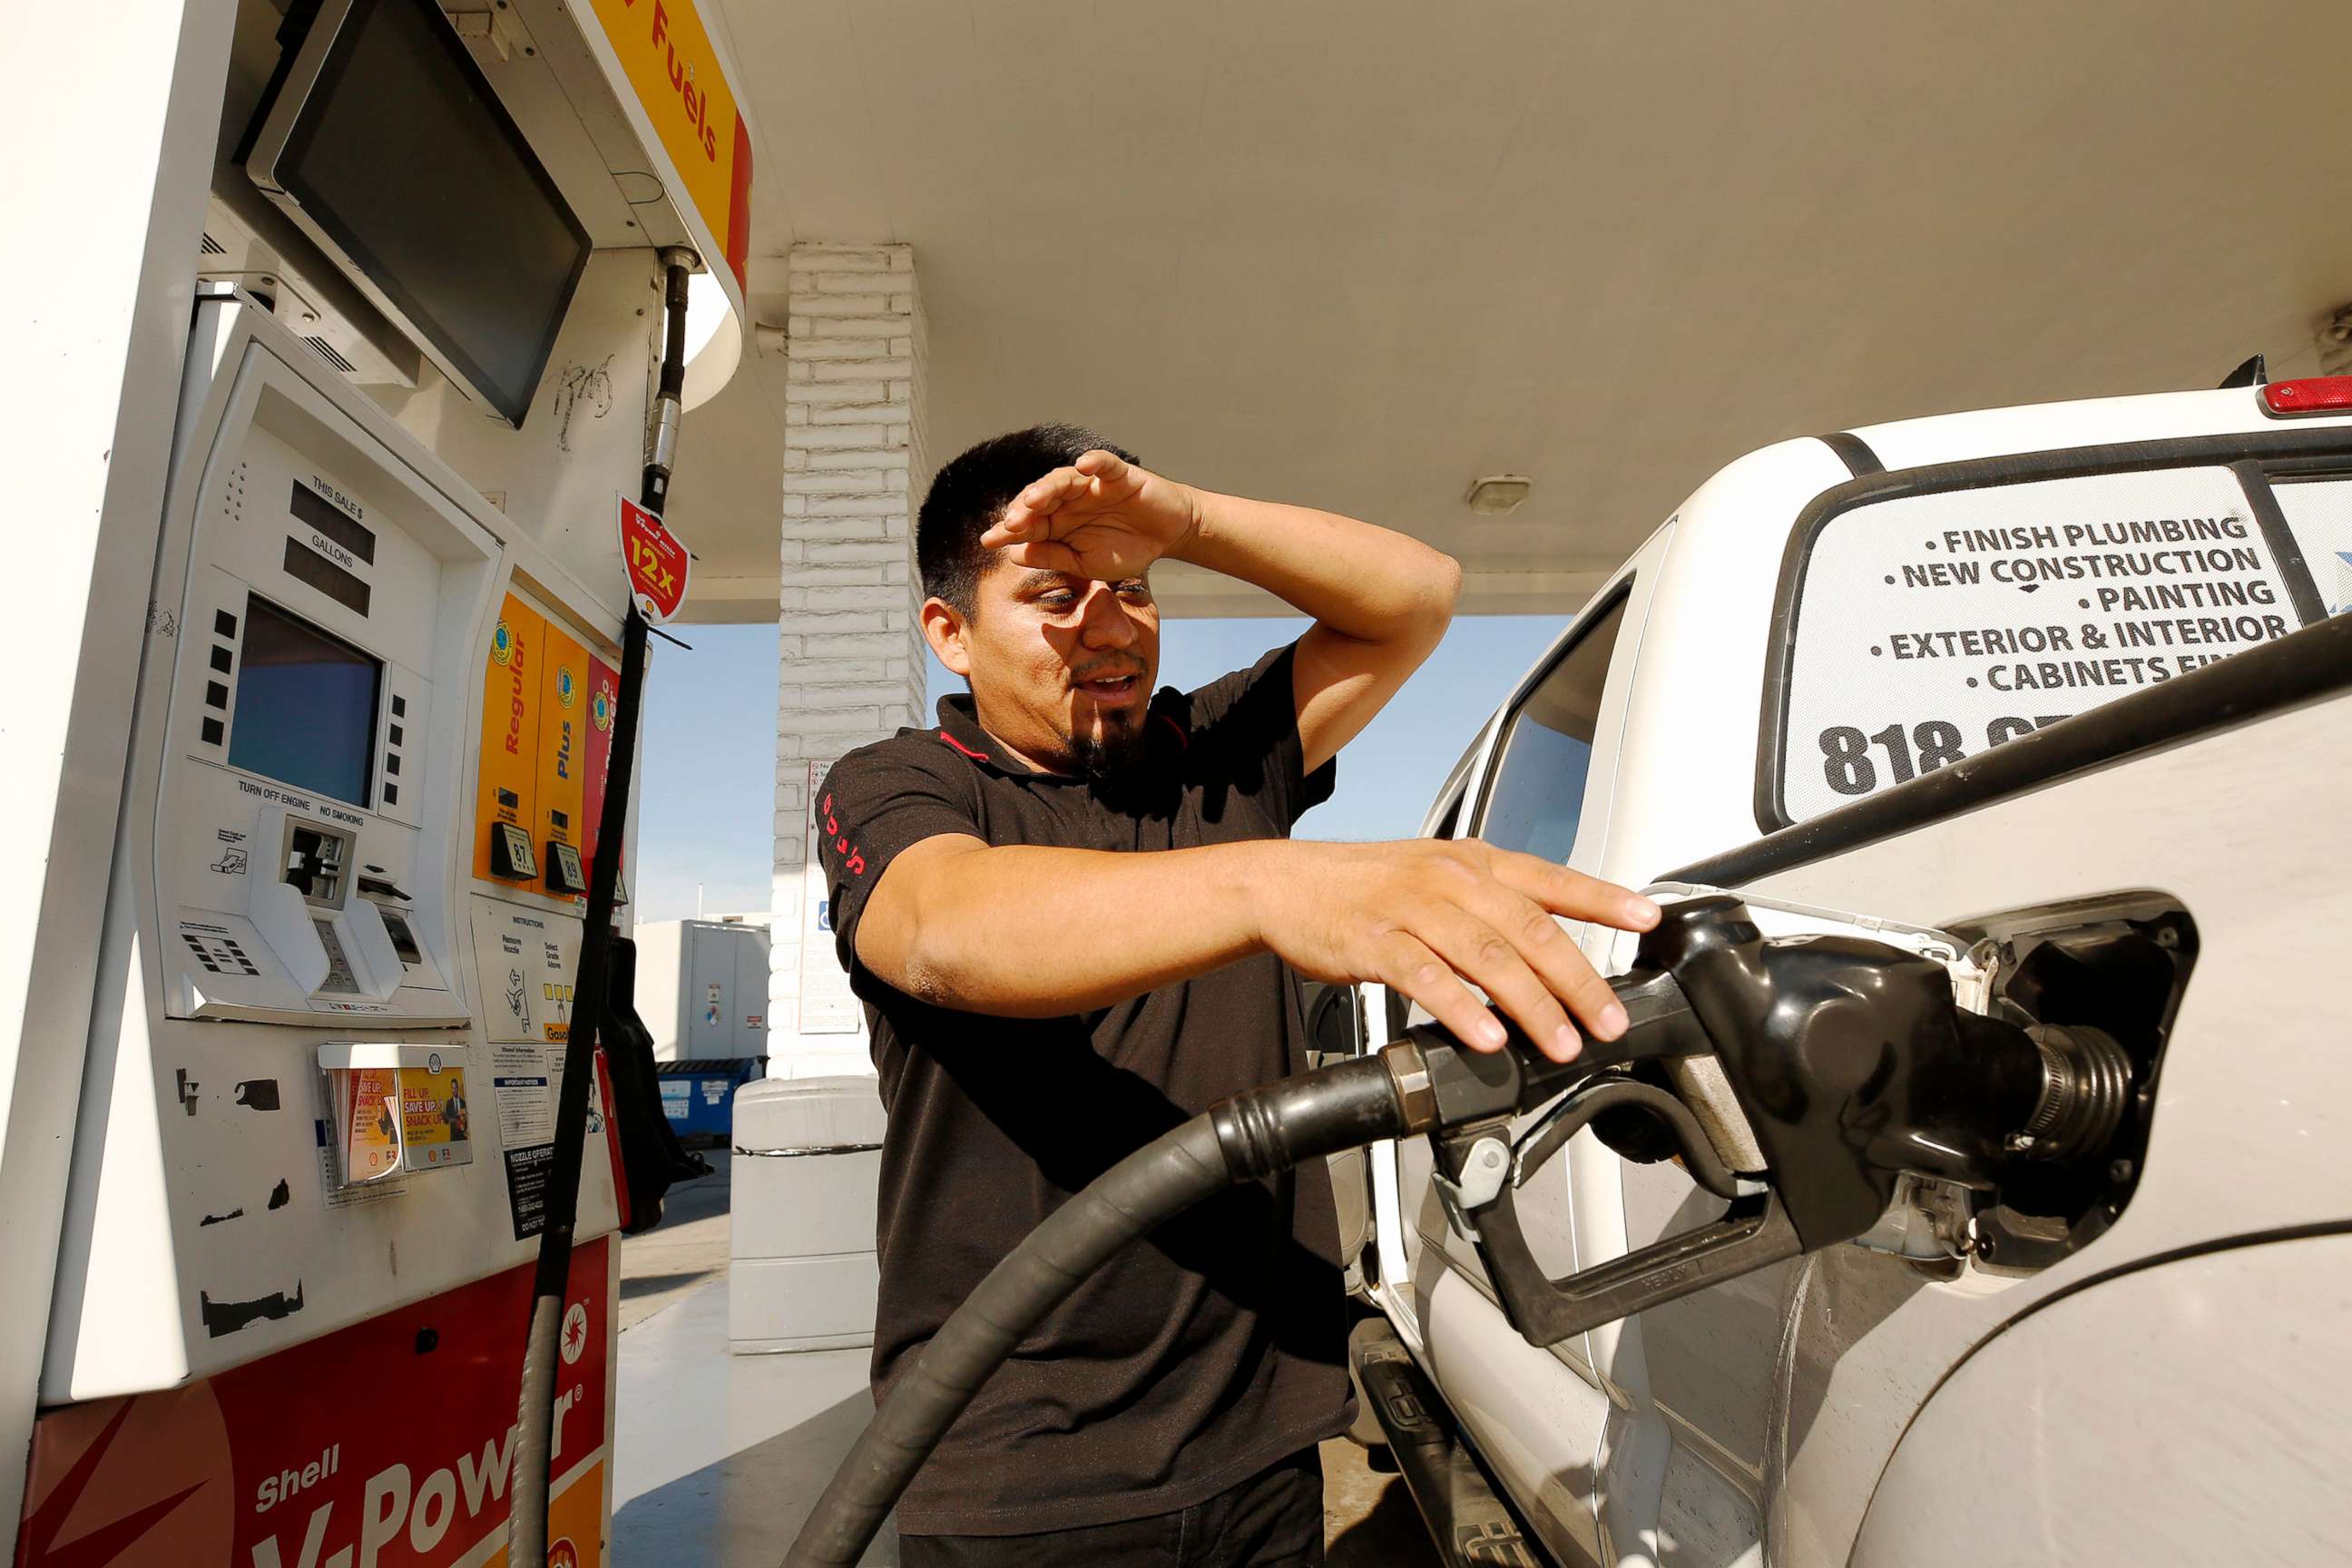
969 927
1364 581
1034 933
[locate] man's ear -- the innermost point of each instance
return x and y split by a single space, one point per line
943 628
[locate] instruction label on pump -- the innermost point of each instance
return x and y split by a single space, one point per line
656 562
524 1078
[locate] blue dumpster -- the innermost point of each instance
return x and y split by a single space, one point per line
699 1097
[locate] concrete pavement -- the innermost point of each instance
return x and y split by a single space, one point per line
688 1249
717 1458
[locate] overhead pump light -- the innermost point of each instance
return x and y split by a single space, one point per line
1500 495
714 343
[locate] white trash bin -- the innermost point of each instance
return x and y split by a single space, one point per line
808 1157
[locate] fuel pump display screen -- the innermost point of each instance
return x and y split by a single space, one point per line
404 155
306 706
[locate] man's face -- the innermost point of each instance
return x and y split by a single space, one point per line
1061 667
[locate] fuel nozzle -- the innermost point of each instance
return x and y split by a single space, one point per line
2086 1088
1469 1086
1850 1061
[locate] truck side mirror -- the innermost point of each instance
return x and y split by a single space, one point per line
1335 1024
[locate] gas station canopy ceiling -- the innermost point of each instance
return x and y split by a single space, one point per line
1360 255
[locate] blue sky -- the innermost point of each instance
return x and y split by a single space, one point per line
708 779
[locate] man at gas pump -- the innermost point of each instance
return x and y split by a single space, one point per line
1074 912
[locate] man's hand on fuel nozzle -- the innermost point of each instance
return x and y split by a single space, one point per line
1102 516
1423 916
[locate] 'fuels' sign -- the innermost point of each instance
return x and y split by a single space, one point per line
674 70
1931 627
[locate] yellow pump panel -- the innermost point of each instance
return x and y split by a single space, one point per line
562 771
513 694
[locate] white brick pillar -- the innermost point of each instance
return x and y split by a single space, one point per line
850 648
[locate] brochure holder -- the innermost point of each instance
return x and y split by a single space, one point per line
397 1107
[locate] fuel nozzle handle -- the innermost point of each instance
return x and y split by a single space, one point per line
1477 1085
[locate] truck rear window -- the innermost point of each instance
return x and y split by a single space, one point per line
1922 628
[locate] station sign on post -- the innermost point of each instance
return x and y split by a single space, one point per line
656 562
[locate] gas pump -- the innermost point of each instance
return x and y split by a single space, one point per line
379 694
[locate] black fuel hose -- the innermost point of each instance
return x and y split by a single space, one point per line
1251 1135
534 1445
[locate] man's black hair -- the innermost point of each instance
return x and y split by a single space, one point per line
968 496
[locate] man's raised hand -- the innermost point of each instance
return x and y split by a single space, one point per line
1102 516
1423 916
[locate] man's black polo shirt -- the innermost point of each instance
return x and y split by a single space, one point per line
1206 1352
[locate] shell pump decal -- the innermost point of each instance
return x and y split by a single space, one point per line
389 1442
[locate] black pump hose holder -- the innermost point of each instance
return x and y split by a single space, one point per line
1852 1061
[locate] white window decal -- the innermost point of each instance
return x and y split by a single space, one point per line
2319 515
1932 628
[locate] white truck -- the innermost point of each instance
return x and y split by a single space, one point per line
2053 697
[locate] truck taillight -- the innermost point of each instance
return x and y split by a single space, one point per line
2312 394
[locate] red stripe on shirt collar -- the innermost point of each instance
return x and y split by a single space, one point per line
1184 737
